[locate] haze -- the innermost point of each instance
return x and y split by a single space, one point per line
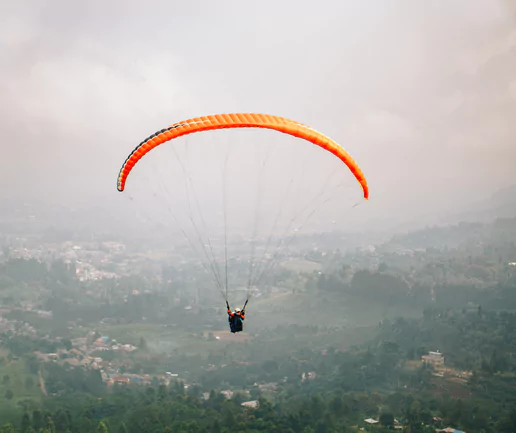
422 94
118 311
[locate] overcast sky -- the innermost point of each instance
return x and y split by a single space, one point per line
421 93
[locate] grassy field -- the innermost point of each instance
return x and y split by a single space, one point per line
132 332
302 266
16 377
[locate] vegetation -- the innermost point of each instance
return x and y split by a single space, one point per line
342 343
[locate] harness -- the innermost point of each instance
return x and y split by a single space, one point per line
235 319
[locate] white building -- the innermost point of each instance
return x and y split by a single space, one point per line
433 358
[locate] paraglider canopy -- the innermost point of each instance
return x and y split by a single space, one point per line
240 120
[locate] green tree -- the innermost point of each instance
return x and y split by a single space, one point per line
8 428
25 422
67 343
61 420
505 425
387 419
37 419
51 428
142 344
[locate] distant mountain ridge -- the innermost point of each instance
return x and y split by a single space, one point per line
501 204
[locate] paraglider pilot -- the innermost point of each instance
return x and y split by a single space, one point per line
236 319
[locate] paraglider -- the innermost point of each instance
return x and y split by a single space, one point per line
239 120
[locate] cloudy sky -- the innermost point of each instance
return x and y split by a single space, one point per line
422 94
